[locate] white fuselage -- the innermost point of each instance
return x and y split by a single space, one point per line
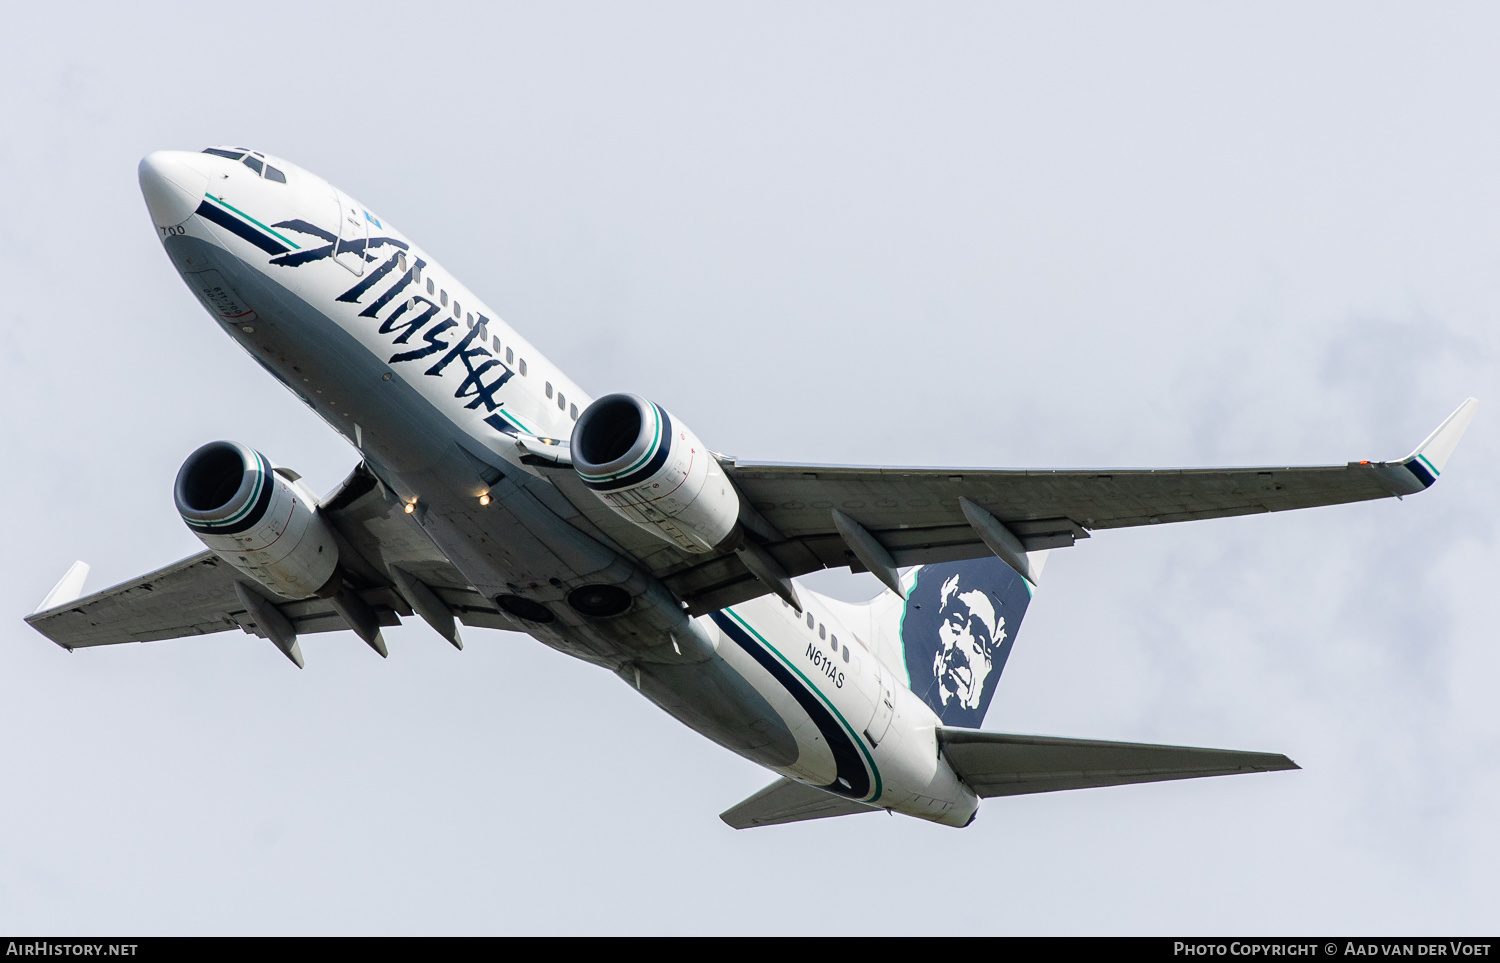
436 391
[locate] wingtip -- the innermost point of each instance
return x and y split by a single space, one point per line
69 588
1431 456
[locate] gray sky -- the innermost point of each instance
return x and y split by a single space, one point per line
1050 235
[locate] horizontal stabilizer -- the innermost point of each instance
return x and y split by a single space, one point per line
998 764
789 801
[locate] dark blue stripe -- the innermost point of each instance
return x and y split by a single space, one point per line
501 425
226 220
652 467
846 755
1420 471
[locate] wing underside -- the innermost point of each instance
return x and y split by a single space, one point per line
917 516
196 596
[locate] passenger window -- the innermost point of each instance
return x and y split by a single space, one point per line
834 641
401 262
523 367
560 402
444 298
822 631
252 163
416 272
549 389
573 411
468 319
457 313
496 344
272 174
809 620
846 653
430 288
510 356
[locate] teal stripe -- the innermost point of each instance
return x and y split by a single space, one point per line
869 760
276 234
517 422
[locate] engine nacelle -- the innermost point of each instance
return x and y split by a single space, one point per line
262 523
654 471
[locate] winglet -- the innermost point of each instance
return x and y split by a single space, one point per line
1432 455
68 588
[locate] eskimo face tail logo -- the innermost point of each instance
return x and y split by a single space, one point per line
960 621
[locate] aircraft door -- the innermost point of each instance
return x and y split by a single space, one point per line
885 706
354 233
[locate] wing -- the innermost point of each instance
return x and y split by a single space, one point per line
996 764
789 801
197 596
809 517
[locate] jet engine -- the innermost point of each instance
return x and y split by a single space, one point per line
654 471
263 523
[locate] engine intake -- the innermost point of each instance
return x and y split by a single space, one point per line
265 525
654 471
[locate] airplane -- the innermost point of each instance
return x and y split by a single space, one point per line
492 491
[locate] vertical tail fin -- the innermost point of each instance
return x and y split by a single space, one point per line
955 628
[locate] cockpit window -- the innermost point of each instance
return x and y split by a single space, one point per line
272 174
221 152
252 163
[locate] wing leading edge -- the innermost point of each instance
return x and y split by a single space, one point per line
919 515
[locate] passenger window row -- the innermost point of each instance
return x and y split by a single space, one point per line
832 640
442 296
483 333
562 403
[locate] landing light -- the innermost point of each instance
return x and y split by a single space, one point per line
484 499
411 507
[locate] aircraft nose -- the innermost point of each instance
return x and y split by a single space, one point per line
173 183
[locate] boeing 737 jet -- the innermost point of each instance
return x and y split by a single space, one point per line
494 492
